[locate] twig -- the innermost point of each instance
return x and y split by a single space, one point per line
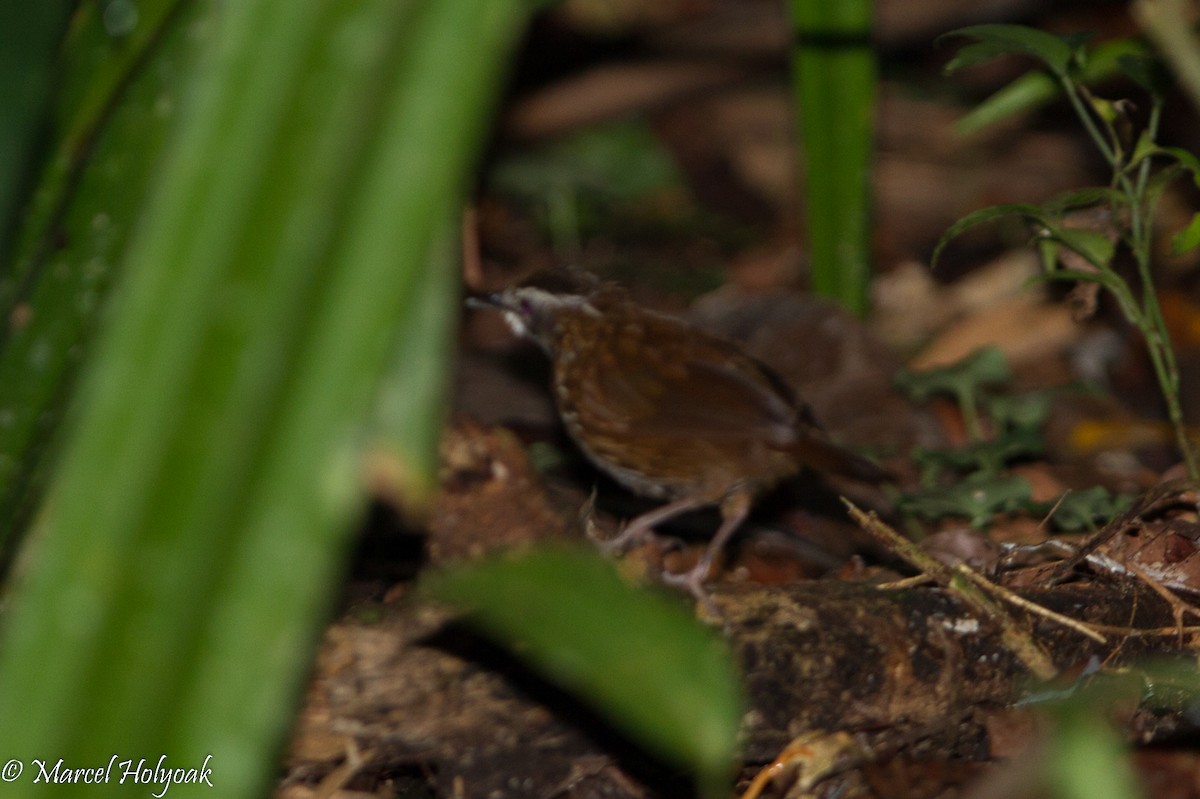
1013 598
337 779
1132 632
1015 637
1177 605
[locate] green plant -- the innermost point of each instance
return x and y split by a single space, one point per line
111 121
29 37
967 381
1034 89
978 497
280 316
638 656
1084 756
1080 510
1087 253
577 183
971 481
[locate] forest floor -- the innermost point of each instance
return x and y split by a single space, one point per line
653 146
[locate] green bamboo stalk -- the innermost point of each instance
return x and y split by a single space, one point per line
833 71
170 595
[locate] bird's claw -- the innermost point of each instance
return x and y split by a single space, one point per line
626 539
692 581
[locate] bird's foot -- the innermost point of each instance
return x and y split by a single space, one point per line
692 581
628 535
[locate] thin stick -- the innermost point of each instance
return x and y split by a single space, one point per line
1016 638
1083 628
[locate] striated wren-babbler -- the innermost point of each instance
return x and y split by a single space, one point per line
669 411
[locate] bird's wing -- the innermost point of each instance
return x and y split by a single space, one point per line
714 399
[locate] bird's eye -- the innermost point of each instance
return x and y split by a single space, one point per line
525 307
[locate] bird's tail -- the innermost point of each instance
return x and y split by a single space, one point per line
818 452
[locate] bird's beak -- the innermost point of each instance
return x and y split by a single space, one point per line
482 301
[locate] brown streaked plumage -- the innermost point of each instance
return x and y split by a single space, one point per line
669 411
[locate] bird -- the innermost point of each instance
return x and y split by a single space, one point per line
667 410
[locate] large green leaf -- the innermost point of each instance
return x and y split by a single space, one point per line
114 119
107 60
30 34
637 656
195 529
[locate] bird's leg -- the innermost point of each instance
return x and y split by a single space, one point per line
642 526
734 510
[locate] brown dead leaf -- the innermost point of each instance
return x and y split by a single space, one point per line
1025 328
611 91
